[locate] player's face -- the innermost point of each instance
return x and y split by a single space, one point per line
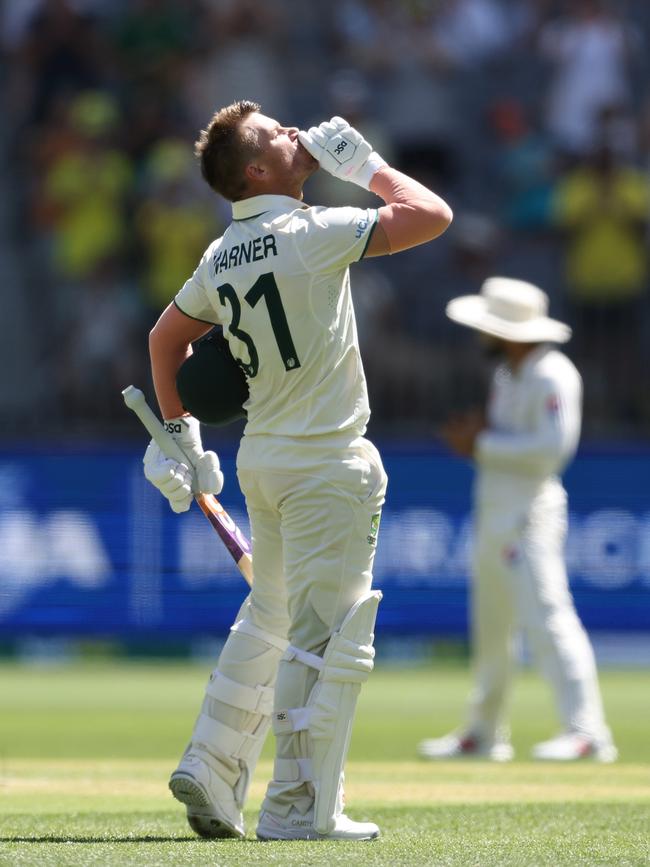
285 160
493 347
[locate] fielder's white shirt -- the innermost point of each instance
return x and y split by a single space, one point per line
277 280
534 419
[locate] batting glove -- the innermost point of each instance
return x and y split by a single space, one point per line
179 481
342 151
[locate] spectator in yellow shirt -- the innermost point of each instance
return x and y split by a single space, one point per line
602 207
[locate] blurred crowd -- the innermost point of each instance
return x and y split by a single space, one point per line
531 117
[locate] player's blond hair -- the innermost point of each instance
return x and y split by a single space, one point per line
223 149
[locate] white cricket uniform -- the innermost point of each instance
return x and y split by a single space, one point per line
534 418
278 282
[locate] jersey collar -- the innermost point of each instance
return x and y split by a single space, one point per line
256 205
532 358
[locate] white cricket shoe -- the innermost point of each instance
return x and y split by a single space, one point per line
297 826
570 746
465 746
211 807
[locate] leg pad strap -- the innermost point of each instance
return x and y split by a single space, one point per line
247 628
237 745
255 699
309 659
294 719
292 770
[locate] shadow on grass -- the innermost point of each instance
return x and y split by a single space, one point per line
108 838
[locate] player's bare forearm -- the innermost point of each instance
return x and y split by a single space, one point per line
169 345
412 215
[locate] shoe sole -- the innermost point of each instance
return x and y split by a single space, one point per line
497 756
604 757
262 838
266 832
191 793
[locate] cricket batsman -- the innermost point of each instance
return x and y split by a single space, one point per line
519 575
277 281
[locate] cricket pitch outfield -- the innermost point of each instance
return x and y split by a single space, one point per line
86 750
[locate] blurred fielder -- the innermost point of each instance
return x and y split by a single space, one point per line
278 283
519 575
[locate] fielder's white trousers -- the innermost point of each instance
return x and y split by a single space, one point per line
520 583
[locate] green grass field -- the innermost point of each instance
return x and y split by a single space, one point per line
85 752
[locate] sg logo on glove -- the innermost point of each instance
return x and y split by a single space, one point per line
341 149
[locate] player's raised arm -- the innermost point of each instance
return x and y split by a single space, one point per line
412 215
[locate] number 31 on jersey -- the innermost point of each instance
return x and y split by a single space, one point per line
264 287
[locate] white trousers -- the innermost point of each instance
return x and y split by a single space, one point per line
520 582
314 508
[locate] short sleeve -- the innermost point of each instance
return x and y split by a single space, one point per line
329 239
192 298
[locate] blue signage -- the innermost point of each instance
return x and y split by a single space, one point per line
88 547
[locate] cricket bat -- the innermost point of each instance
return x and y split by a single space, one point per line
232 537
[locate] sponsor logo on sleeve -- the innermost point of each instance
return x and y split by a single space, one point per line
362 224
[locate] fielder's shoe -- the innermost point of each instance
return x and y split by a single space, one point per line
570 746
298 827
211 807
465 745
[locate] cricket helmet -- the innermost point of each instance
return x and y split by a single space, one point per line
210 383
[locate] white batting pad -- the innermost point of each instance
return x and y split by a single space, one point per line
347 663
236 712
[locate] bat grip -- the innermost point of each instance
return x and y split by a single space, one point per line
135 400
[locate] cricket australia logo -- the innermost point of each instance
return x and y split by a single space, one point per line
374 529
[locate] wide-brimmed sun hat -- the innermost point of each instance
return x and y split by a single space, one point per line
510 309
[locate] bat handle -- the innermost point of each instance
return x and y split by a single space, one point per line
135 400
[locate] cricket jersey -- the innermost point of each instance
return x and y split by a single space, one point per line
534 417
278 282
